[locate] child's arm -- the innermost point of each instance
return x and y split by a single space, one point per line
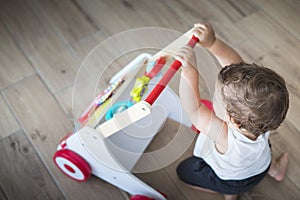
223 52
204 119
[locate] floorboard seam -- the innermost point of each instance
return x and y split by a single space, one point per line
39 156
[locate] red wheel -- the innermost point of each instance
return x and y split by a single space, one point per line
73 165
62 142
140 197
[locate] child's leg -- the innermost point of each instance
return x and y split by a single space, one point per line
226 196
193 171
230 197
279 167
199 175
203 189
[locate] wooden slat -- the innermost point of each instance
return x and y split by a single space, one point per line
124 15
276 52
22 173
98 56
194 11
14 66
95 59
149 13
99 52
8 123
65 16
130 15
94 76
268 35
269 189
99 10
235 10
45 123
85 45
64 98
286 13
74 100
2 194
46 51
249 51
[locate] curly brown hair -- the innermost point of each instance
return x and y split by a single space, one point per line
255 97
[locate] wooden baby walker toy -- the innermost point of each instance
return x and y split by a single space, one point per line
88 150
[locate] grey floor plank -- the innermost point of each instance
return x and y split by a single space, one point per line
13 66
46 124
22 173
66 17
8 124
46 51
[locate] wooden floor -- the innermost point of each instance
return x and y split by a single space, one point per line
43 42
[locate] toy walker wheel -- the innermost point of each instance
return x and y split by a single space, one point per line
140 197
73 165
143 197
63 143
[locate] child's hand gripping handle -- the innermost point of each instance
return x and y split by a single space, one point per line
168 75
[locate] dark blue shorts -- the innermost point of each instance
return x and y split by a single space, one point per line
195 171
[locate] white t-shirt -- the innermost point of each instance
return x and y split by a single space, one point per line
244 157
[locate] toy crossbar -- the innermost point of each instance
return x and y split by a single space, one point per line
143 108
160 86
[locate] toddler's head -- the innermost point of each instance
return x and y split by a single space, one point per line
255 98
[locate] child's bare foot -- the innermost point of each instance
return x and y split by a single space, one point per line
278 167
230 197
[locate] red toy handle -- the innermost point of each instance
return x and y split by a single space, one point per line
156 68
151 98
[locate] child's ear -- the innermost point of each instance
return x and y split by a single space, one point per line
235 123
